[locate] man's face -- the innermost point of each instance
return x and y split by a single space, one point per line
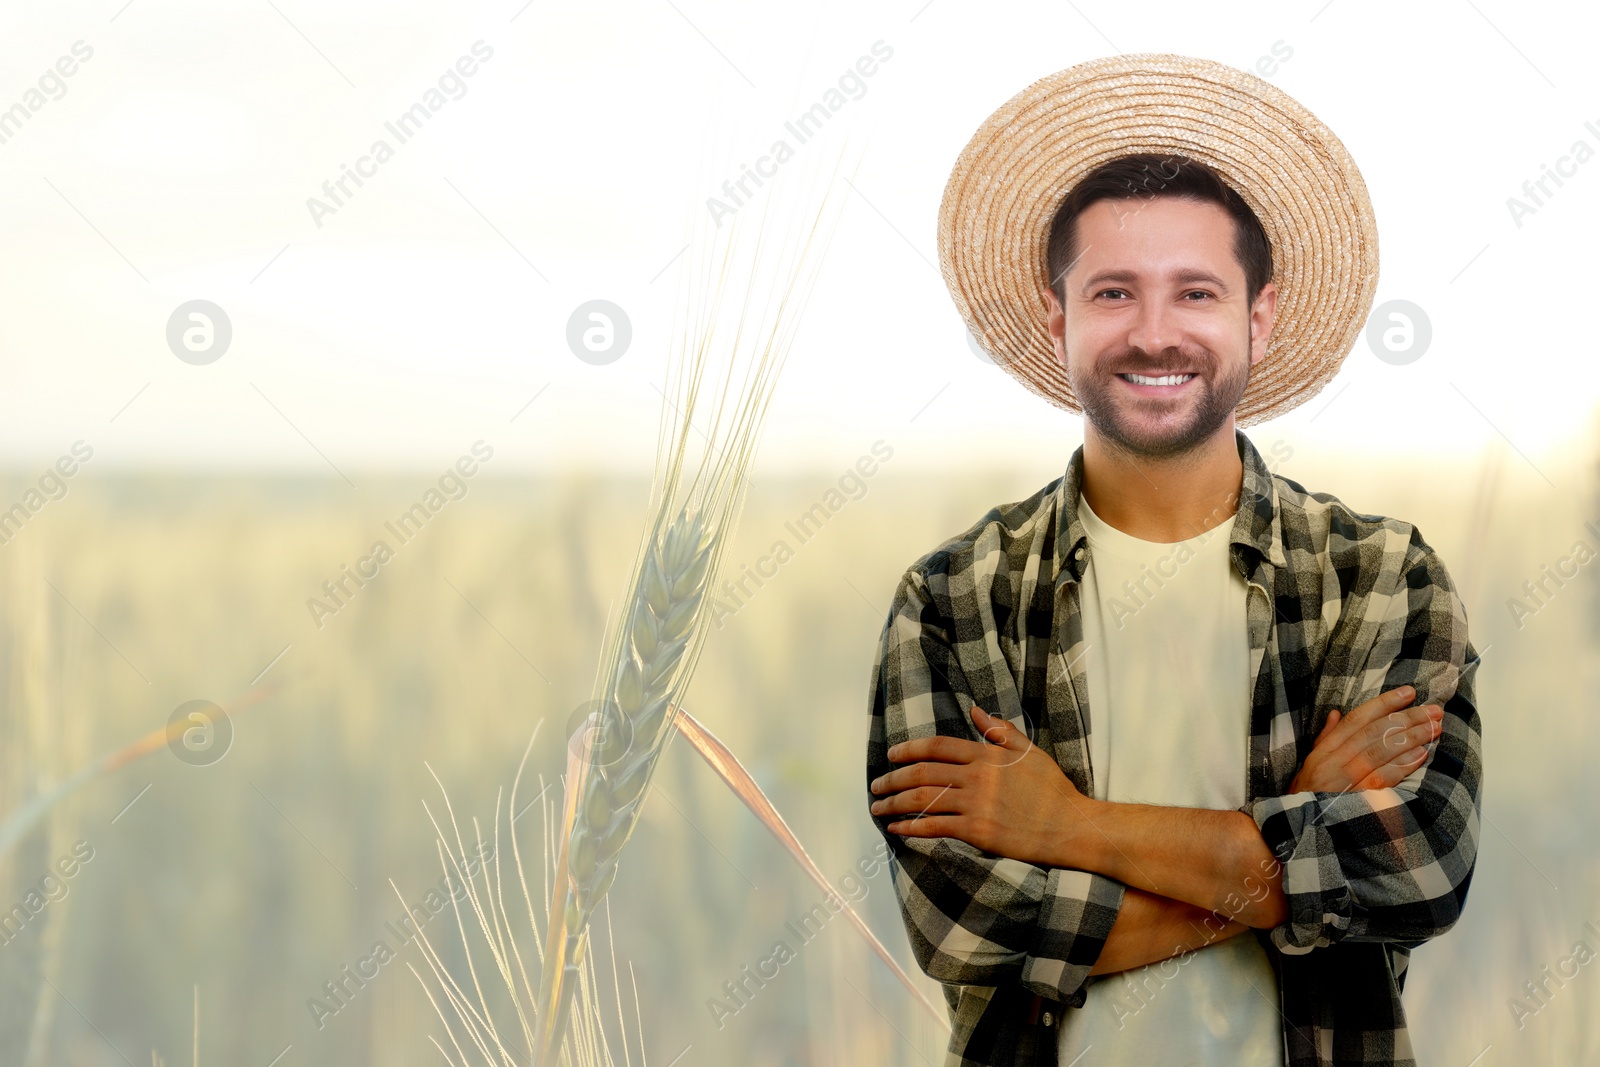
1155 292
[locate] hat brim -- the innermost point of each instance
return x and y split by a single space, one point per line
1005 188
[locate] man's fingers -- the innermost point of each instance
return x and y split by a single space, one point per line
1374 746
1395 746
917 774
1365 714
1355 735
1395 771
1398 731
997 731
947 749
927 826
922 800
1380 705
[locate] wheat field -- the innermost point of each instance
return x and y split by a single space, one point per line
262 879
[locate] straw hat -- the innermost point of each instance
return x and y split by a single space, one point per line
994 220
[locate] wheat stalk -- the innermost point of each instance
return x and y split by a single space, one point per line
473 1014
650 659
470 1023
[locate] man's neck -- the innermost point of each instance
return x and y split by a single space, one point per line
1166 499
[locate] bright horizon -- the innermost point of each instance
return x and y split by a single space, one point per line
427 306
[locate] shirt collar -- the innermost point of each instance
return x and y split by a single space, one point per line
1255 525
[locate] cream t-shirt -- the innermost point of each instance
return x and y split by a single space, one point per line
1167 665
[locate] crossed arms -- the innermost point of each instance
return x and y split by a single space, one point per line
1192 876
1006 872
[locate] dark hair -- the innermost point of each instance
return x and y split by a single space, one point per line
1148 175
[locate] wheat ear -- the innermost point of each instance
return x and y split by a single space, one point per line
663 626
607 776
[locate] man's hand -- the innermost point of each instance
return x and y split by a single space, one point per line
1004 795
1373 747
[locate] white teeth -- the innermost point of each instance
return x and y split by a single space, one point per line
1171 379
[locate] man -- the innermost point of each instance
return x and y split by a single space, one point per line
1178 760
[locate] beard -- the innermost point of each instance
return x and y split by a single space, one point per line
1192 419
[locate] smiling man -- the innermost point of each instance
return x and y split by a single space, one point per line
1177 759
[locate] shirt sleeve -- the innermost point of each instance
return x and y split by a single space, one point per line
1391 865
973 918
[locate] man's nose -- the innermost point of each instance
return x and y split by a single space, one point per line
1155 328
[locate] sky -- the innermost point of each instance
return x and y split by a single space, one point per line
571 158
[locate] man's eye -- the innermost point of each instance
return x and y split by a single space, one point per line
1103 292
1197 292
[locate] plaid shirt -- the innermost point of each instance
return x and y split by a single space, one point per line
1341 607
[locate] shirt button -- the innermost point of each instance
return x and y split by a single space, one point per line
1078 554
1048 1018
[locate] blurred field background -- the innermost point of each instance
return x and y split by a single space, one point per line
176 165
251 882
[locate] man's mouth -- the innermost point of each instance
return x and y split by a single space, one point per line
1146 381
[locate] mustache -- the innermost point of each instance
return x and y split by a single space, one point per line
1159 372
1133 361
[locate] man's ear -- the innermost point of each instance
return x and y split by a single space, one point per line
1055 323
1262 316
